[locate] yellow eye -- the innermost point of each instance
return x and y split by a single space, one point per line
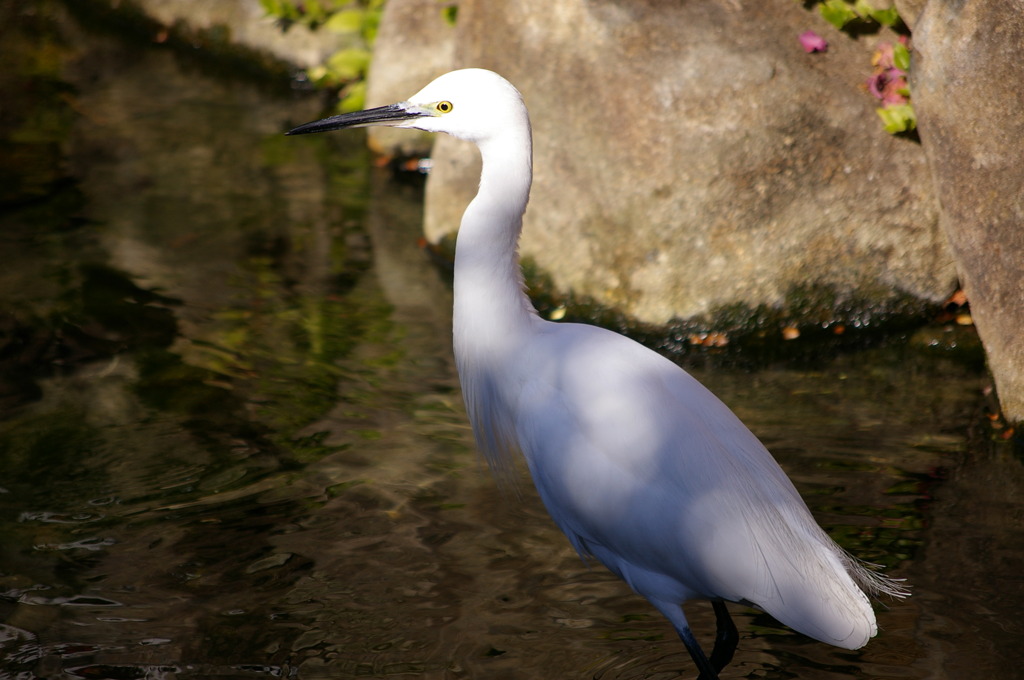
444 107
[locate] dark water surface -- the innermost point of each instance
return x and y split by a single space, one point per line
232 443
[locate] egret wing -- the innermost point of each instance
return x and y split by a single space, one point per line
647 470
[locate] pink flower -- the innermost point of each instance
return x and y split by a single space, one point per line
812 42
888 83
876 84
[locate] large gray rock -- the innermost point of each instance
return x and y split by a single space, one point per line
909 10
690 156
968 86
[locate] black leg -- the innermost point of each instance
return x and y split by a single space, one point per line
726 637
697 654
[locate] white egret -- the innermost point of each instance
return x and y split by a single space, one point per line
638 463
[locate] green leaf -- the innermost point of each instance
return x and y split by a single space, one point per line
290 11
346 21
450 14
353 98
280 9
348 64
837 12
371 23
314 12
886 17
901 57
863 9
317 74
898 118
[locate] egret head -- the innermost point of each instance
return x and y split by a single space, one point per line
473 104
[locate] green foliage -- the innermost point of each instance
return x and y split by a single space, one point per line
888 83
341 16
898 118
355 22
354 98
886 17
282 10
347 64
901 56
839 13
450 13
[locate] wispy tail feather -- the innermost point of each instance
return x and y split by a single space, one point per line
872 581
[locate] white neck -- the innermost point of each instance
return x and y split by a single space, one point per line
491 307
493 318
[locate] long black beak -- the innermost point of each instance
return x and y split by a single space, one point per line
383 115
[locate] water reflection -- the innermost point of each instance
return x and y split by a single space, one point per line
233 444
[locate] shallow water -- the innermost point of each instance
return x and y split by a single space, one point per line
232 443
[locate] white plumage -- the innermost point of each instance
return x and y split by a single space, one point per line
641 466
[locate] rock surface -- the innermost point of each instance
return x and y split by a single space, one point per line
249 25
415 44
909 10
690 156
968 89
